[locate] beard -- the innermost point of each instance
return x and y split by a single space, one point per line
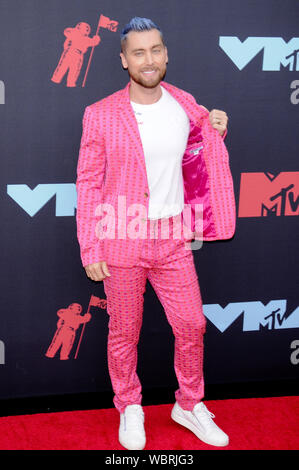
152 83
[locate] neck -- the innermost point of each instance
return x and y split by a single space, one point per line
142 95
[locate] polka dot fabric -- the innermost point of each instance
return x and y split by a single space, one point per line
169 267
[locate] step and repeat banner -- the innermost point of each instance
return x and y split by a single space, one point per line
240 57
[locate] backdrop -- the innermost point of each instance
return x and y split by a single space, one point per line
241 57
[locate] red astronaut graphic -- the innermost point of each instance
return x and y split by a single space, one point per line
76 44
70 319
67 325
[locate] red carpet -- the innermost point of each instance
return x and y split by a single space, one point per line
252 424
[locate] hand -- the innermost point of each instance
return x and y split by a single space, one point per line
97 271
96 39
219 120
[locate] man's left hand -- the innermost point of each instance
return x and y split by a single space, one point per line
219 120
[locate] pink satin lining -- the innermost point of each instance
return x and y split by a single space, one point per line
196 181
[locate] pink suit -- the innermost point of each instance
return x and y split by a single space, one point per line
111 164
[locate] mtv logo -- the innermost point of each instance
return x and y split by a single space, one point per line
276 51
255 315
264 194
32 200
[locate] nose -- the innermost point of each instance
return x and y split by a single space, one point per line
149 58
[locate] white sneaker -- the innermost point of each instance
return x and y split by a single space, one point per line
131 433
200 422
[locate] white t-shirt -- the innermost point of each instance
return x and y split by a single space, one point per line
164 129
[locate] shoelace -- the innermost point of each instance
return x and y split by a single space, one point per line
203 411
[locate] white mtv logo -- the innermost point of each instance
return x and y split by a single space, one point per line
276 51
255 314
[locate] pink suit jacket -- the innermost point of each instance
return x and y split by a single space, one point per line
111 163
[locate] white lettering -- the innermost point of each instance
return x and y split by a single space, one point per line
2 92
295 94
295 354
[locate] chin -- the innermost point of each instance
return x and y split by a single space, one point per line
149 84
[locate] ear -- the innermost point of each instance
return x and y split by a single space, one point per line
123 60
166 52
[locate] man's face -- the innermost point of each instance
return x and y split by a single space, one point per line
145 57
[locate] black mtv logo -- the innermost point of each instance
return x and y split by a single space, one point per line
294 55
283 196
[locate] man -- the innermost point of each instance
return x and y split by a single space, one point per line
151 146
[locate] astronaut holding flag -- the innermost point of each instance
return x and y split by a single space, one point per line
69 321
76 44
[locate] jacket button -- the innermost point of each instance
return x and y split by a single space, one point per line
146 194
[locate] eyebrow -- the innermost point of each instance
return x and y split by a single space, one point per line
153 47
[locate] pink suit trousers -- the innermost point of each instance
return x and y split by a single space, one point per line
169 266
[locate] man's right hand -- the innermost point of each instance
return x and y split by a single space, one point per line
97 271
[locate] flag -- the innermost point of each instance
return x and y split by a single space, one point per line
105 22
94 301
97 302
